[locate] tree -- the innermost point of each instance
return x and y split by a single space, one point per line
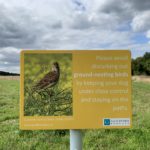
141 65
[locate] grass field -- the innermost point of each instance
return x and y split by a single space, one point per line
11 138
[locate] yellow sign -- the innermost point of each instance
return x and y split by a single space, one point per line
76 89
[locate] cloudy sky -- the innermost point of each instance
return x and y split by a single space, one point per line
72 24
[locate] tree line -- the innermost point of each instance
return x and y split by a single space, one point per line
141 65
3 73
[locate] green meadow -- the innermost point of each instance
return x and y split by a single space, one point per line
11 138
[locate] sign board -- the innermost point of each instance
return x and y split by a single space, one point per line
75 89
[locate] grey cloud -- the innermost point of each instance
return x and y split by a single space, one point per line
124 10
9 55
140 5
84 21
107 16
57 25
81 21
132 12
9 60
113 6
20 28
121 6
16 28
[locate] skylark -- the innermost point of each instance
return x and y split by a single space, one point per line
50 79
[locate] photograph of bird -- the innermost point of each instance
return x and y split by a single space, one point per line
48 84
49 80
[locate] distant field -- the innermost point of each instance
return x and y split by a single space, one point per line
141 78
11 138
9 77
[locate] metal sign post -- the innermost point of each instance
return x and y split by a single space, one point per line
75 140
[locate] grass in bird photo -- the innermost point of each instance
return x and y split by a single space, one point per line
48 84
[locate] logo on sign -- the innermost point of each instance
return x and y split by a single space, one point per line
116 122
106 122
